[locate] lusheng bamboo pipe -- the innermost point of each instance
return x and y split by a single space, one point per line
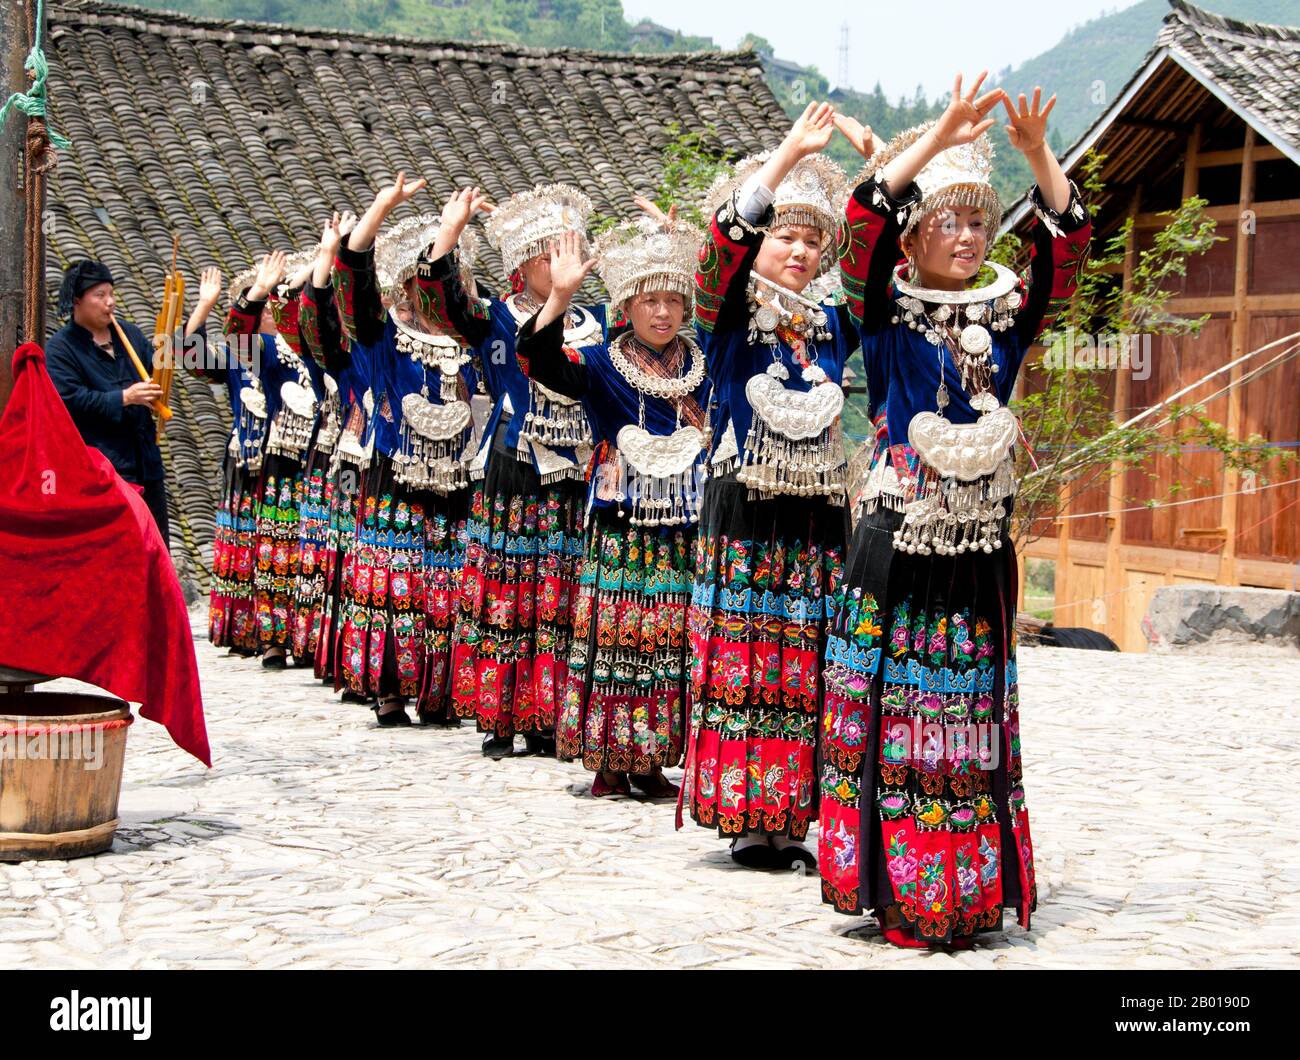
159 407
165 327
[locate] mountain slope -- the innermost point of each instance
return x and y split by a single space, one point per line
1093 62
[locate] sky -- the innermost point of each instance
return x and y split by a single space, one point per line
900 44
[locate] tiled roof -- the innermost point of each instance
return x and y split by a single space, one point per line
1256 65
242 136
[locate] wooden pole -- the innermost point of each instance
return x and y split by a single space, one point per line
1240 336
1113 579
1061 583
1192 164
14 46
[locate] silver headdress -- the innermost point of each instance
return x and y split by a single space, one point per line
957 176
524 225
813 193
399 246
641 255
292 263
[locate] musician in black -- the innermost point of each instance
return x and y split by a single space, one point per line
100 384
101 387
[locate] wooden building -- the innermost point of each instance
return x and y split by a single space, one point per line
1213 111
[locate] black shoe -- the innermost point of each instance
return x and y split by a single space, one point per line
539 745
354 697
393 719
440 721
498 746
759 856
791 856
274 662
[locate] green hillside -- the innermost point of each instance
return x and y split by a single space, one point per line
595 24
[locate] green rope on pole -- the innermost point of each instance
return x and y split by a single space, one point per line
32 103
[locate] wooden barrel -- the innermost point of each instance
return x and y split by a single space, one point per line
61 756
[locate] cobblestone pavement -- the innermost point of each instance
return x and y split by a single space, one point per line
1158 789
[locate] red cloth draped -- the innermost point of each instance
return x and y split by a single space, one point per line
87 589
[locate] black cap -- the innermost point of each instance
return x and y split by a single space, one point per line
78 278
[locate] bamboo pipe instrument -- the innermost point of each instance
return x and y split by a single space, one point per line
165 326
163 411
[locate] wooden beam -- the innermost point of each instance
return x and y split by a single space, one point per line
1240 334
1233 157
1227 303
1173 562
1130 122
1270 208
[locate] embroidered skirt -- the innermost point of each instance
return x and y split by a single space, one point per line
400 609
341 533
315 559
231 622
624 700
280 494
766 578
922 801
512 637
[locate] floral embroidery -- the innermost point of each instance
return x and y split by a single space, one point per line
902 867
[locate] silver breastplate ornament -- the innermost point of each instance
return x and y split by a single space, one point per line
553 420
794 444
290 432
251 427
433 435
967 470
661 476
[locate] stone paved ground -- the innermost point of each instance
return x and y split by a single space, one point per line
1162 793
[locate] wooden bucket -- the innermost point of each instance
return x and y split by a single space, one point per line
61 756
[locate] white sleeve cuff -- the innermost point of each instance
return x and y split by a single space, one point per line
753 199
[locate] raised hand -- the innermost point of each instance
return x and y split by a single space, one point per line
456 214
209 293
210 286
462 206
331 235
811 131
1027 130
649 207
864 141
1028 135
568 267
300 277
270 271
966 116
387 199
